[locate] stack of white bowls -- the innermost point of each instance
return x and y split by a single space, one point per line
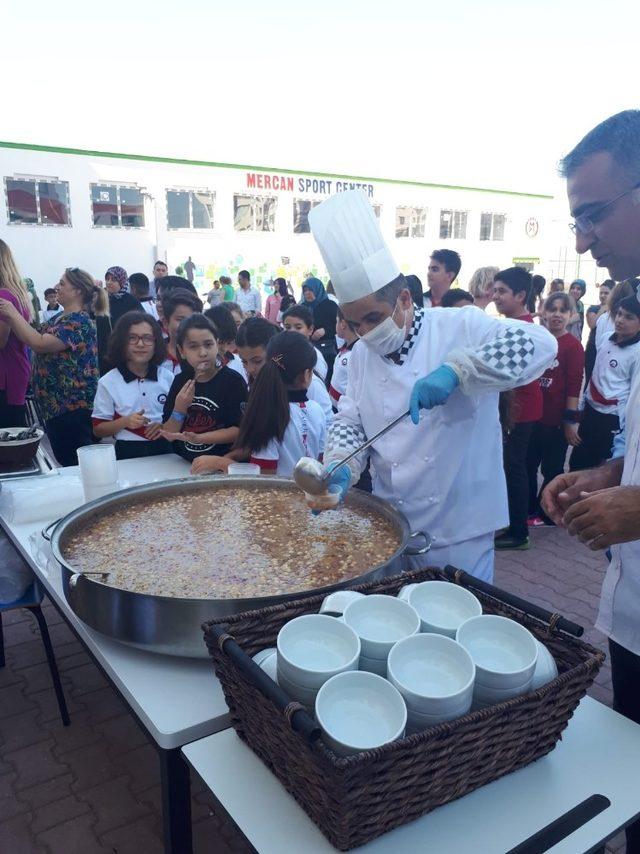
380 622
505 654
310 650
390 664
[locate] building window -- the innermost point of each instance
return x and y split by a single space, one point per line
410 222
453 224
190 209
115 206
254 213
301 208
34 202
492 226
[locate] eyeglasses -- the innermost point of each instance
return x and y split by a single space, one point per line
141 339
585 223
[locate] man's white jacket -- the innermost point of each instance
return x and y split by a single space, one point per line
445 474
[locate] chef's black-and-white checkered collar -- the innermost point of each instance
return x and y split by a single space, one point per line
400 356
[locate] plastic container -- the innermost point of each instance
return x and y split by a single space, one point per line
246 469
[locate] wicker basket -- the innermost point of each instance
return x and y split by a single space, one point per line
360 797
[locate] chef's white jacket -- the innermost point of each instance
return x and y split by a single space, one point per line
619 613
445 474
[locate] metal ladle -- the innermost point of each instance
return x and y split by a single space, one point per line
313 477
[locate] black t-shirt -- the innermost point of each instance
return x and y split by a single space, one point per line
217 404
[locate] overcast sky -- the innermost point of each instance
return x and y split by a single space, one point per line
486 93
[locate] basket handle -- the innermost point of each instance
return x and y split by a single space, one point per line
556 621
295 713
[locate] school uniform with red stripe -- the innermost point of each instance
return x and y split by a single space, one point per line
340 375
120 393
305 436
610 382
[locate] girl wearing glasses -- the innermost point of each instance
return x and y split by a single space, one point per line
130 397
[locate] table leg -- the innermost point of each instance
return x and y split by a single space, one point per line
176 802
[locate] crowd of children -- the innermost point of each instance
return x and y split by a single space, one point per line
229 385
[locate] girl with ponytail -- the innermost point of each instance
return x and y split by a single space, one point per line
280 424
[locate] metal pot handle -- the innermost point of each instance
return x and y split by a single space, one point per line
45 531
414 550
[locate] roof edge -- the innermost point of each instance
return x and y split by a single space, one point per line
184 162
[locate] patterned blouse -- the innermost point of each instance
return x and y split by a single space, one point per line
67 380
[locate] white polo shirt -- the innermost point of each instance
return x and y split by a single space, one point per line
613 371
305 436
122 393
317 391
340 372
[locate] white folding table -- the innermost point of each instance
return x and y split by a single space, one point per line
523 813
175 700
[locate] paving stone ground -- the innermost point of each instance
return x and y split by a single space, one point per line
94 787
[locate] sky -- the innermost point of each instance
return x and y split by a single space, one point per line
486 94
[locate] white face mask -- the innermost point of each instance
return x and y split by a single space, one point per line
386 337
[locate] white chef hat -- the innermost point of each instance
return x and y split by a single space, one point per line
352 246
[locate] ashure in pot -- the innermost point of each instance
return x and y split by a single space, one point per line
184 551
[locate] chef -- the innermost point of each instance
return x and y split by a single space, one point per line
441 467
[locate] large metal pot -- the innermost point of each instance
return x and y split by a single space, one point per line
171 625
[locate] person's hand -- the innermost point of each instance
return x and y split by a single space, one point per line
8 309
605 517
433 390
184 398
317 335
208 463
153 431
571 434
136 420
564 490
339 482
185 436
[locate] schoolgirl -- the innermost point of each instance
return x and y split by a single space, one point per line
130 398
280 424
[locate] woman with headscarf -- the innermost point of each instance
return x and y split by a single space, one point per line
325 312
120 299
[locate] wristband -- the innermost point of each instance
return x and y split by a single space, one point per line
571 416
178 416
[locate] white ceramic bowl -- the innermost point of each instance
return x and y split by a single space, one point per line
434 674
259 657
504 652
380 621
546 667
486 696
404 592
443 607
336 602
270 666
417 722
359 711
314 647
373 665
302 693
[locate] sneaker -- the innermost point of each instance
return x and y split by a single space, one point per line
535 522
505 541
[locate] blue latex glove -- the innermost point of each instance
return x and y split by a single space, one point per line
340 481
433 390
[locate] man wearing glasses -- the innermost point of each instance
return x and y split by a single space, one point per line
601 506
